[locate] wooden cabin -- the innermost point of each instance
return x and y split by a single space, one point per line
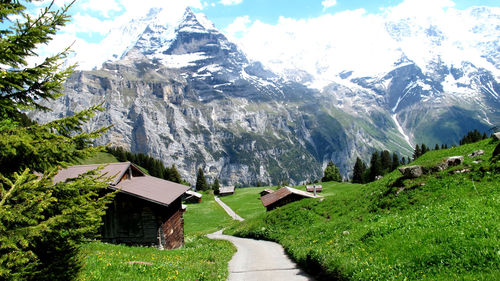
226 190
146 210
192 197
283 196
313 188
266 192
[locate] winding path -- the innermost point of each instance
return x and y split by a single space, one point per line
257 260
228 210
260 260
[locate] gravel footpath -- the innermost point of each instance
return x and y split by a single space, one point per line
260 260
228 210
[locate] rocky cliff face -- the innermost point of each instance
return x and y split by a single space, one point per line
194 100
185 94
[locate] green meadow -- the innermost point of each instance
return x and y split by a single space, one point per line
200 258
442 226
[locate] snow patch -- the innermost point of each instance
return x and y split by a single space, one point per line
211 68
401 131
180 61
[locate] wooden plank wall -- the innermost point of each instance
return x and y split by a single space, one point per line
134 221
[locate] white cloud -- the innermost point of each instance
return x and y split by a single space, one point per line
330 43
328 3
172 8
230 2
419 8
359 41
82 23
103 7
238 27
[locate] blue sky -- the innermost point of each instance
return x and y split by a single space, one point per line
253 24
99 13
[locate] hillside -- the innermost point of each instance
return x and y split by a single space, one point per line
99 158
442 226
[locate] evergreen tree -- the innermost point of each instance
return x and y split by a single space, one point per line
375 166
424 149
386 161
331 173
395 161
403 160
41 223
436 147
417 152
201 182
472 136
174 175
216 186
359 171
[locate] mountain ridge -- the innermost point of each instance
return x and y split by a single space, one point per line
187 95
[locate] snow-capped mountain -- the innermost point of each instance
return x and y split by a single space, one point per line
187 95
443 67
180 91
372 45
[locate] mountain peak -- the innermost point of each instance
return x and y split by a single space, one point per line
196 23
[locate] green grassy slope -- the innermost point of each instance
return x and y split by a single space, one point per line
200 259
103 158
442 226
205 217
98 158
246 201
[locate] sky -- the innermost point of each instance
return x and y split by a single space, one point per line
243 21
92 19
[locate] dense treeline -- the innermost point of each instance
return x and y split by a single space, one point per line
473 136
381 162
154 166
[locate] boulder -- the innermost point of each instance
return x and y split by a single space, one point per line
476 153
412 172
440 167
497 135
454 161
496 152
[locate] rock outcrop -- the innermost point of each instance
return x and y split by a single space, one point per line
412 172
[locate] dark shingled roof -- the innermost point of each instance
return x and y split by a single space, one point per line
310 188
281 193
116 170
150 188
226 189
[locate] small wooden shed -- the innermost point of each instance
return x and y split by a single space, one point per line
226 190
192 197
146 210
313 188
283 196
266 191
